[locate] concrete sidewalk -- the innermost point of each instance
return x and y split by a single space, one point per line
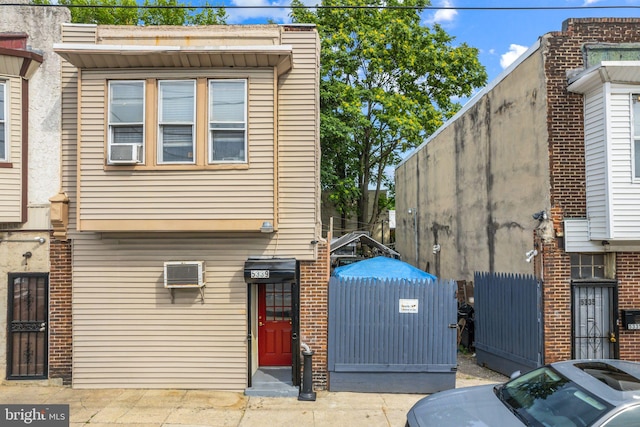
173 408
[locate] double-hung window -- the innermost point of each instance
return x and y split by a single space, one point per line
176 121
4 149
227 121
126 121
636 135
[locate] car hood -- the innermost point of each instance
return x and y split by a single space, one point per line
465 407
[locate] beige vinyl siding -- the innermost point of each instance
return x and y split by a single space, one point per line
298 147
11 178
173 194
127 333
71 33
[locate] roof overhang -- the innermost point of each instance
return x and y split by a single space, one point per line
17 62
270 270
91 56
620 72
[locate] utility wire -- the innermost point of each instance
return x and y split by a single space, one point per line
476 8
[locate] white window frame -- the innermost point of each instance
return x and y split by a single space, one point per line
234 126
4 153
635 137
162 123
113 125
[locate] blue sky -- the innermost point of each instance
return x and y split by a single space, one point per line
500 35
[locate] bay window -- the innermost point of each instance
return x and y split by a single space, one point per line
227 121
188 123
4 149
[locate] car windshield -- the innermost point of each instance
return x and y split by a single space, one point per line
543 397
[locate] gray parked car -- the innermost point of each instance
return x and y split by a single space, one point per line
572 393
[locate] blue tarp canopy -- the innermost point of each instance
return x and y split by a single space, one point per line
382 268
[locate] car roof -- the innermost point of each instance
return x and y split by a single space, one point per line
616 381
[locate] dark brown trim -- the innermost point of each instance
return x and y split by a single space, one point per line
25 67
22 54
25 147
6 165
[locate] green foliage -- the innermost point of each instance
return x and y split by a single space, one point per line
125 12
388 82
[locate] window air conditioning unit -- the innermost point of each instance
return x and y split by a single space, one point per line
125 153
184 274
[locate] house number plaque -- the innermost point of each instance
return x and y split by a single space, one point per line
259 274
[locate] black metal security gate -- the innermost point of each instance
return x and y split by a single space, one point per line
594 313
27 341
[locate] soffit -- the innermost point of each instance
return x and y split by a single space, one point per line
17 62
89 56
621 72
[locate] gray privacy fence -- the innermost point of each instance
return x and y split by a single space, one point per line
508 321
392 335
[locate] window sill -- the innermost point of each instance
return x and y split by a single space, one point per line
6 165
159 168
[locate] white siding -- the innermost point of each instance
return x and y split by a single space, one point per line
625 193
596 162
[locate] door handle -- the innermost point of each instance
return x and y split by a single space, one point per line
43 327
260 324
612 337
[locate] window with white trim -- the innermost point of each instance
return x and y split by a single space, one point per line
126 121
636 134
227 121
4 149
176 121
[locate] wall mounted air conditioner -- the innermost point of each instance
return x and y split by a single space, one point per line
125 153
184 274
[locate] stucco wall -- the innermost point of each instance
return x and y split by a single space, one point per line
477 183
42 24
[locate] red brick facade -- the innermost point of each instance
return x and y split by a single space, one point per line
567 169
60 322
314 297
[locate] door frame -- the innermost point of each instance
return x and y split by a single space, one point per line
276 270
9 345
612 287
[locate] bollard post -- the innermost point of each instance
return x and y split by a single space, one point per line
306 389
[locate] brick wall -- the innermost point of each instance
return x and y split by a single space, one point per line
628 274
314 310
566 160
60 339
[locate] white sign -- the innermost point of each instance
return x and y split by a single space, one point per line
408 306
259 274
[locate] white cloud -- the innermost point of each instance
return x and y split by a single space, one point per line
442 16
515 50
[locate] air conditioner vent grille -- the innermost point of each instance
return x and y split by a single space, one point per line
180 274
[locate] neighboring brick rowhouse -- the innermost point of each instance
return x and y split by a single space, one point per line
567 169
628 274
314 310
60 322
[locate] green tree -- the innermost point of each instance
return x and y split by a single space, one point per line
124 12
387 83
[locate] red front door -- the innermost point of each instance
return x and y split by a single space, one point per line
274 324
